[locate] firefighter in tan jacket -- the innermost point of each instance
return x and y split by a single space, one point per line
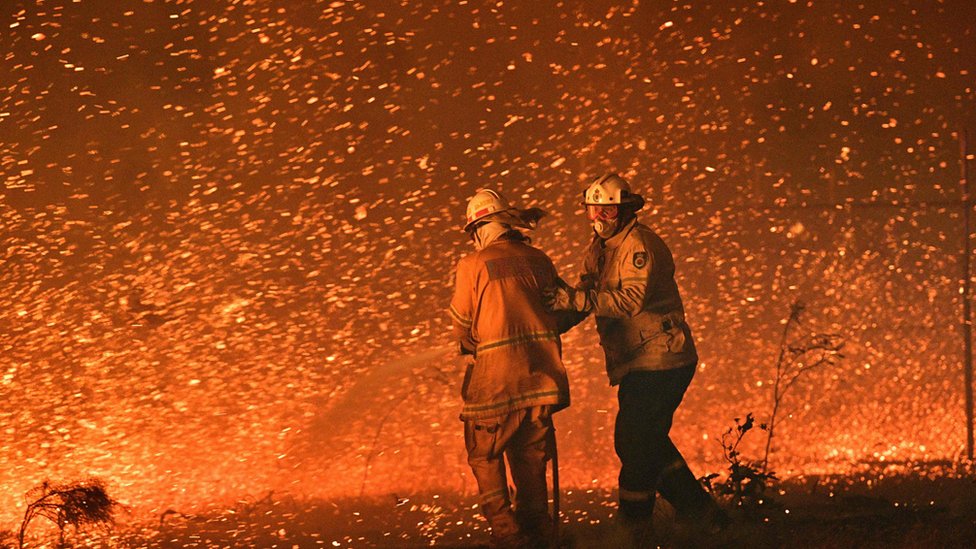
517 380
628 285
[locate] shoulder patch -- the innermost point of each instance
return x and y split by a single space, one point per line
640 260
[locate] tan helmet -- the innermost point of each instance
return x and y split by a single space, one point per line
611 190
484 203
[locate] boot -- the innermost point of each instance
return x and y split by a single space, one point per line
538 529
715 519
505 532
637 520
690 500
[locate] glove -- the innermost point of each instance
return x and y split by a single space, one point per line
562 297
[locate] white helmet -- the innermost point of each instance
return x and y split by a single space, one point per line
484 203
611 190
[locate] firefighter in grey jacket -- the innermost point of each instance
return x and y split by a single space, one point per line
629 285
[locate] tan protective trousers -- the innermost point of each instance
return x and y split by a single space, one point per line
524 438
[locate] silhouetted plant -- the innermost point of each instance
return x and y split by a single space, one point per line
801 350
798 354
78 504
747 481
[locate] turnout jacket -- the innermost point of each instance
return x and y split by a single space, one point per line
629 279
498 315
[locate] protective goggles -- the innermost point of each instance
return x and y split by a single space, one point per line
606 213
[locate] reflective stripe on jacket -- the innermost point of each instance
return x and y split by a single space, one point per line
498 314
639 314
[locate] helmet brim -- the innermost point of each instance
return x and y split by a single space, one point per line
635 202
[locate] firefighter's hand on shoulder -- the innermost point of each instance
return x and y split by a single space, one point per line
563 297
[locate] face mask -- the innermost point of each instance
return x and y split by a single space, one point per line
605 228
488 233
605 219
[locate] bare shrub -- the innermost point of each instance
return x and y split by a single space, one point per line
801 350
78 504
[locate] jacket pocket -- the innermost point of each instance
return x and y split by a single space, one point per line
484 434
676 328
675 333
646 333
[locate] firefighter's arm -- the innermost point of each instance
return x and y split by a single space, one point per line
590 276
461 310
567 304
625 301
561 297
557 299
568 320
576 302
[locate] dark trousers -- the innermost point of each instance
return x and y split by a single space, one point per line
649 461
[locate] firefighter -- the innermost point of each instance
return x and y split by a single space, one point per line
628 285
517 380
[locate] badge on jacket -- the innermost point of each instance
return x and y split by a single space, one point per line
640 260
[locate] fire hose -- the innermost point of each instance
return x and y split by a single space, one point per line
555 489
